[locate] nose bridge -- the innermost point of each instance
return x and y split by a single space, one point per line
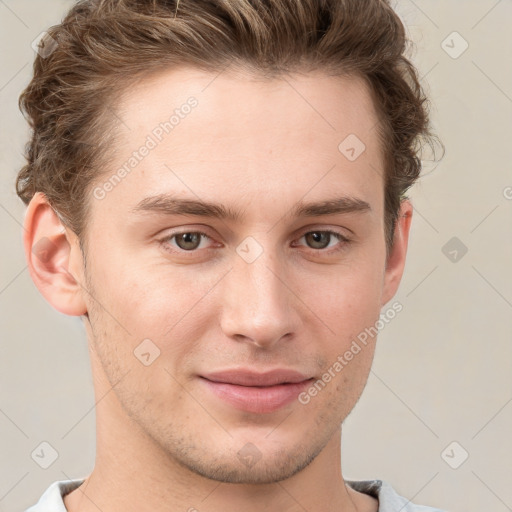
257 304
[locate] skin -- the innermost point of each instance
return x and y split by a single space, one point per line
258 147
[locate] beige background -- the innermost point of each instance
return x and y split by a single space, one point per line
442 371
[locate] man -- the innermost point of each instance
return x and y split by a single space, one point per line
217 189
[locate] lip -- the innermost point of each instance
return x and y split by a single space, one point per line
247 377
256 392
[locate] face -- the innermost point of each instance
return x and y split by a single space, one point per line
215 322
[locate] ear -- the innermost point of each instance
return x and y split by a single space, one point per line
53 257
396 260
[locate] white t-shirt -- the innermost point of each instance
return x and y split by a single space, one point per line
389 500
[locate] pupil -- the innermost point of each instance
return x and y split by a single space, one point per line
317 236
187 237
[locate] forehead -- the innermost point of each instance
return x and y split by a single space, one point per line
227 99
244 137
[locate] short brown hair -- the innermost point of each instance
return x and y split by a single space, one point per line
103 46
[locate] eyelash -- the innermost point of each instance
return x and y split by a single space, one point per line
345 241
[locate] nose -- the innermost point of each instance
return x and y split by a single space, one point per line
258 304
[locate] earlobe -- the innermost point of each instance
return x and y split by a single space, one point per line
396 261
53 257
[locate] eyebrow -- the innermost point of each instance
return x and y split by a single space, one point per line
170 205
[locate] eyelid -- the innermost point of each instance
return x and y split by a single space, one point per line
172 235
344 240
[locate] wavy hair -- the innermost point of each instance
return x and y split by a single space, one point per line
103 46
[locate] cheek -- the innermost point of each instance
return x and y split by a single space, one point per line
347 298
349 303
331 398
149 294
165 306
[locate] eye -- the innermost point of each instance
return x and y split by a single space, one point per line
186 240
190 241
320 239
